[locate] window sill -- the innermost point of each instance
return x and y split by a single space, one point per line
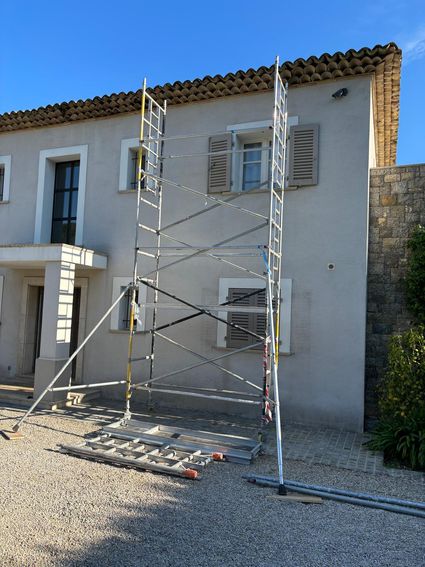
259 191
4 202
252 191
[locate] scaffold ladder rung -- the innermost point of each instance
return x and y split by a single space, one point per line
136 453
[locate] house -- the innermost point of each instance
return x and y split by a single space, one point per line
67 213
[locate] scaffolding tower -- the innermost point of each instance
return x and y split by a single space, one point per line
152 187
150 261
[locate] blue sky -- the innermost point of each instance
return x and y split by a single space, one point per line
54 51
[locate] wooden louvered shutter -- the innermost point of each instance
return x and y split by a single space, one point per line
255 322
260 318
236 338
219 165
303 155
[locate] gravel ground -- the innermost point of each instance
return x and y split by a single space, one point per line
63 511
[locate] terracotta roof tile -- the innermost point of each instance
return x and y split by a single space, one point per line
383 61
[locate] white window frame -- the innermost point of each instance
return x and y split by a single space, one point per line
245 133
128 146
285 309
5 162
45 190
117 284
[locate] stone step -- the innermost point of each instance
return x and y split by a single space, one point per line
77 398
22 396
16 395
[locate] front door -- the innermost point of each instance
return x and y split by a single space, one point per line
38 323
74 331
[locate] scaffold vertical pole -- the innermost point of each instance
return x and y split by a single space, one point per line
128 390
274 254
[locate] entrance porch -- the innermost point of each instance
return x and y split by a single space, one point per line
52 314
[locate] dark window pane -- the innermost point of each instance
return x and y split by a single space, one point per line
59 231
65 202
125 308
60 176
75 176
71 233
68 173
134 176
74 202
61 205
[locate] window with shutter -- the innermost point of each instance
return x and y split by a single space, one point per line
120 316
255 322
129 161
219 165
303 155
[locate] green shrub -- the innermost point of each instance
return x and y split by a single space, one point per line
402 439
415 278
402 391
401 429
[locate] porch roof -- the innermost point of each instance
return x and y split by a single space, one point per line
38 255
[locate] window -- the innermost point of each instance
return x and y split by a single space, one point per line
254 317
134 178
4 178
65 201
128 165
69 207
125 309
240 159
120 316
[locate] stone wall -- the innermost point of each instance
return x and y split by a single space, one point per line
397 205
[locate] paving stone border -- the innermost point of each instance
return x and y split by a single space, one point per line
340 449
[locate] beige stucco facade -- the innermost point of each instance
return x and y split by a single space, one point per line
322 374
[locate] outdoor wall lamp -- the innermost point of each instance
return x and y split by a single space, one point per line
340 93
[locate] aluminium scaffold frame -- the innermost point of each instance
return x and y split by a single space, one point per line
150 193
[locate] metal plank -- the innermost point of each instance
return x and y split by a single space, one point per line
83 451
234 449
233 440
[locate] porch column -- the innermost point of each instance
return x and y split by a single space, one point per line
56 328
